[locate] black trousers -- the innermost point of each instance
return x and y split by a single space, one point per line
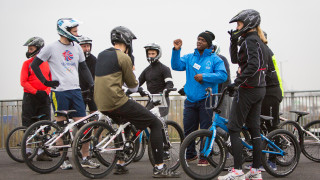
32 106
141 118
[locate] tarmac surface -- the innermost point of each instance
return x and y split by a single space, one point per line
11 170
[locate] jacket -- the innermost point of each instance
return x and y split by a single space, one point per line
208 64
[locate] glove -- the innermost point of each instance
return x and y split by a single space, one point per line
181 92
52 84
234 36
41 95
231 89
142 93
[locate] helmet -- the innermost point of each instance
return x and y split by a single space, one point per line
249 17
153 46
85 40
38 42
123 35
216 46
64 25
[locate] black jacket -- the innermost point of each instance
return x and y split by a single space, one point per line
91 63
158 77
252 58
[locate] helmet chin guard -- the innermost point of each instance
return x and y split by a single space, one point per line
153 46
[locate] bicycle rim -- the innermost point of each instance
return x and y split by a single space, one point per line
311 143
14 142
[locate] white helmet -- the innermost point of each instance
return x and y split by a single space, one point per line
216 47
64 25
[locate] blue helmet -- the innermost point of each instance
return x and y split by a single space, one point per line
64 26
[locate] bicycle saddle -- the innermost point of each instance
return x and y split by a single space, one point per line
65 112
266 118
300 113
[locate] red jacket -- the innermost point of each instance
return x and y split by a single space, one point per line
30 82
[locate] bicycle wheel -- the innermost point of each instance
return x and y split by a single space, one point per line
13 143
216 159
294 128
311 143
176 136
97 134
35 138
140 145
277 165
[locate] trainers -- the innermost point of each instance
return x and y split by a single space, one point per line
164 172
272 165
88 163
192 159
166 155
66 165
233 175
43 157
203 162
253 175
120 170
249 166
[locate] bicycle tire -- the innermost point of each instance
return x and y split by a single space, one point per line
174 161
294 128
102 130
216 164
13 143
281 137
43 136
140 147
309 142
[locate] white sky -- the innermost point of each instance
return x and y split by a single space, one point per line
292 27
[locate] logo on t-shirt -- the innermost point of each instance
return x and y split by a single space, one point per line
68 56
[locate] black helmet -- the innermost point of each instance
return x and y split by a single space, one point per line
249 17
38 42
153 46
85 40
123 35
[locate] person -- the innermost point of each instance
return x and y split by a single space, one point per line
203 69
250 81
86 45
36 99
113 69
65 56
271 102
156 75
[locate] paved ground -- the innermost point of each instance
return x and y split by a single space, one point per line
9 169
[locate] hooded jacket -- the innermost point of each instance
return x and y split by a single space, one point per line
208 64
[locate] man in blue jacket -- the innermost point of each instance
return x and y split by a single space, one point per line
203 69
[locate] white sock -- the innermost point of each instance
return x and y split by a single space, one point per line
239 171
40 151
84 158
160 166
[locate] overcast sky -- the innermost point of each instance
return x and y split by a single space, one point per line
292 27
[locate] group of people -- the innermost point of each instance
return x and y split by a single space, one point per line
66 67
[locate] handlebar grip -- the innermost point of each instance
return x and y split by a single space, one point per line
171 89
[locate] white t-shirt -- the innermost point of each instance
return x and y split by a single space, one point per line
63 61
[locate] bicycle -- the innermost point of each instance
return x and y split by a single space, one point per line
308 135
46 135
109 144
14 139
143 140
279 146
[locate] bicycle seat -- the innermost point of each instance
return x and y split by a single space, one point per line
266 118
65 112
300 113
37 117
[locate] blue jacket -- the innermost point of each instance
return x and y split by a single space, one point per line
208 64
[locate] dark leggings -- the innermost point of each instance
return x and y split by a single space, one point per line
237 147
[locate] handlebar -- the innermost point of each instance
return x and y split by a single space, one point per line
209 92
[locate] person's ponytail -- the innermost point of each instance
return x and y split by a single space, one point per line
261 35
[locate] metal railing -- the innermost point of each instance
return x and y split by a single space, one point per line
10 112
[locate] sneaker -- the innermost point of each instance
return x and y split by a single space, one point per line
88 163
253 175
203 162
66 165
232 175
120 170
43 157
192 159
249 166
166 155
165 172
272 165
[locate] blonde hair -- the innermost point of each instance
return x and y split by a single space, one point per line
261 35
